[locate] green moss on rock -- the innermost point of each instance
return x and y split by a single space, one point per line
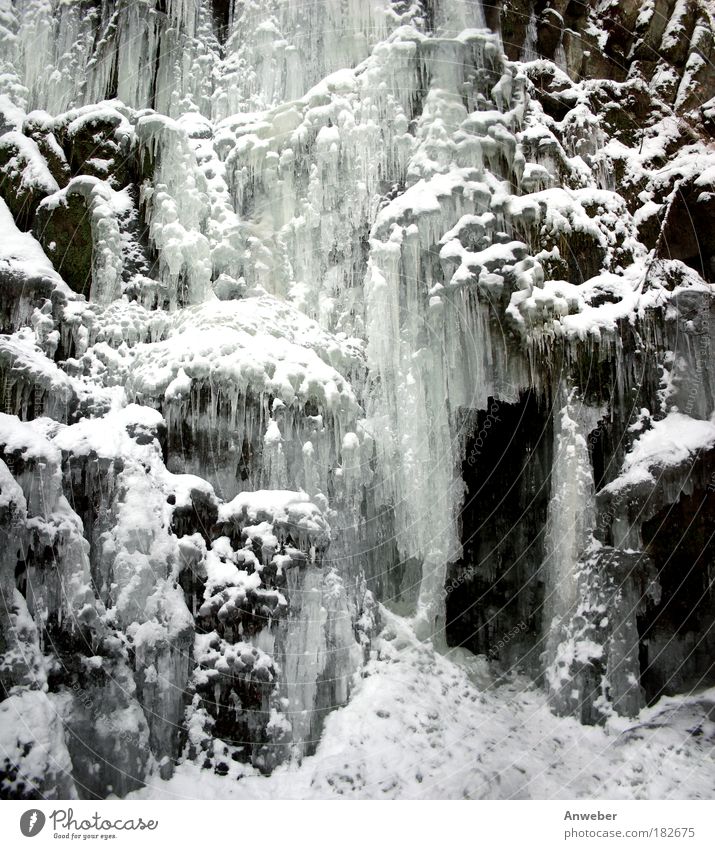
64 230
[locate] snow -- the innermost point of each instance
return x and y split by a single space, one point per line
27 161
260 313
671 442
107 437
237 359
289 512
11 495
21 252
28 366
417 727
27 439
32 736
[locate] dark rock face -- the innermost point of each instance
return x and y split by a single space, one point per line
676 635
222 18
95 146
497 587
688 233
65 232
611 43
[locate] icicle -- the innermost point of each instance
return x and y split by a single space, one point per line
36 48
529 52
275 474
176 210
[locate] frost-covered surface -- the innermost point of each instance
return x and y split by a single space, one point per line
274 279
672 441
420 727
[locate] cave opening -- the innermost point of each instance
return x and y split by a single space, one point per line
494 593
677 636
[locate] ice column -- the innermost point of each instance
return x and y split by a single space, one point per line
574 652
571 516
411 427
36 48
176 210
453 16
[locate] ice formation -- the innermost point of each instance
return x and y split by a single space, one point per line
317 315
